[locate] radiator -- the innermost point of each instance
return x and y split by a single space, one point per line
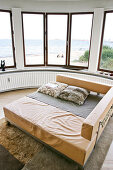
19 80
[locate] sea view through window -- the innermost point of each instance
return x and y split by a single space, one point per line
6 47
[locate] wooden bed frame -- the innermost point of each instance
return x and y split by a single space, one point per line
92 126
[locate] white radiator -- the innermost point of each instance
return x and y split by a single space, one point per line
18 80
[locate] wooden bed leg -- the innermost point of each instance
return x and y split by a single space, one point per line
8 123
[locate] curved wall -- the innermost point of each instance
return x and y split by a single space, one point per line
34 78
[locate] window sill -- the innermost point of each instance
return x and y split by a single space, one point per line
55 69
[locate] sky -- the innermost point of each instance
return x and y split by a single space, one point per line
81 26
57 26
5 30
108 33
33 26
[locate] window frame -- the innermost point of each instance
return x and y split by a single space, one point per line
79 13
67 38
12 38
45 39
101 44
33 65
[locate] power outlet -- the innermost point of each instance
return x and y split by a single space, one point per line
8 79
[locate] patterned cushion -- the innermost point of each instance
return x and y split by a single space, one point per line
75 94
52 88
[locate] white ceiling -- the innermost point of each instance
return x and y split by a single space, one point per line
65 0
57 5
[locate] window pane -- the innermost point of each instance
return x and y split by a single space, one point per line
6 52
33 39
106 61
57 34
80 39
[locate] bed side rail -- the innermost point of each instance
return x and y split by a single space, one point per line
98 118
102 123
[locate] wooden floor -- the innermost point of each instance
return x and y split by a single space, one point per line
7 97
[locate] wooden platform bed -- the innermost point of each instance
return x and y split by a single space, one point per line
69 134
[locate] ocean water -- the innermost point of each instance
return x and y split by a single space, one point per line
5 48
54 46
35 47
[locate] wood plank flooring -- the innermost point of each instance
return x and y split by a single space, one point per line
7 97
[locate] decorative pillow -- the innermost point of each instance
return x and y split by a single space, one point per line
75 94
52 88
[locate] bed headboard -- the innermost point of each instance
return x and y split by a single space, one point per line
89 85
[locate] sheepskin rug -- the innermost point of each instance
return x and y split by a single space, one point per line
28 150
19 144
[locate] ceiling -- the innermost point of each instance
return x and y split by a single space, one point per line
63 0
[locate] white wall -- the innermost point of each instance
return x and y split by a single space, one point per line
71 6
18 39
29 79
96 39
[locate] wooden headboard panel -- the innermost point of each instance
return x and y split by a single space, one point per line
92 86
